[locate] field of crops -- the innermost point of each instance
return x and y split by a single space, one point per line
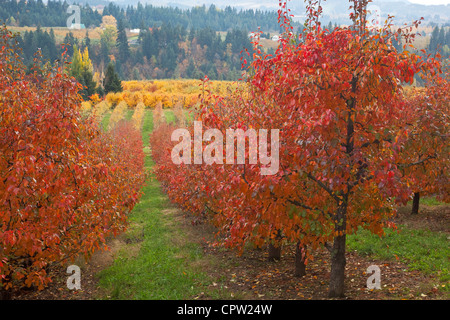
168 92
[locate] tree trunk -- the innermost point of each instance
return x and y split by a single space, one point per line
275 249
300 256
337 276
415 207
274 252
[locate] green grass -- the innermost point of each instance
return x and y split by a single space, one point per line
170 117
147 128
422 250
105 120
157 268
129 114
430 201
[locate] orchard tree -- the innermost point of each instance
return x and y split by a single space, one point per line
343 106
425 161
65 185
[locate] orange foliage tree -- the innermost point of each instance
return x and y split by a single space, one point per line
425 160
65 185
338 101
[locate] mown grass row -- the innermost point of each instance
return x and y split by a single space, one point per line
421 250
151 266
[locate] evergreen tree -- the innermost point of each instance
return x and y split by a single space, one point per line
142 30
87 42
70 41
112 82
122 42
191 35
434 40
441 37
52 35
190 69
447 38
104 51
89 85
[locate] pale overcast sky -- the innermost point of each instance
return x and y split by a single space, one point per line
430 1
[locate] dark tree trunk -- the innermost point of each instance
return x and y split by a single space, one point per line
337 276
415 206
275 248
274 252
300 256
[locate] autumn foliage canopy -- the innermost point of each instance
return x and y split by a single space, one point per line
65 184
350 139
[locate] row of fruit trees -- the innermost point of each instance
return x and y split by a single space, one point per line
355 140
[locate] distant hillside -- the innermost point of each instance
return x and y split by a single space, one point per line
334 10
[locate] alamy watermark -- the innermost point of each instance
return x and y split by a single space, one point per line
74 280
74 21
374 280
258 147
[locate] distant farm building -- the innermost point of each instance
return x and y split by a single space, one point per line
77 26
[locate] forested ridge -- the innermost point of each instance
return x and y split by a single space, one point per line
35 12
172 43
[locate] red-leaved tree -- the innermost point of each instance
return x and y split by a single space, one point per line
424 159
65 185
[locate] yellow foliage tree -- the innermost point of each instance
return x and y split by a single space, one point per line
100 109
178 112
118 114
108 21
138 115
158 114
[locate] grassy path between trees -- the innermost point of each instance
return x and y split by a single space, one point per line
150 266
161 260
157 260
